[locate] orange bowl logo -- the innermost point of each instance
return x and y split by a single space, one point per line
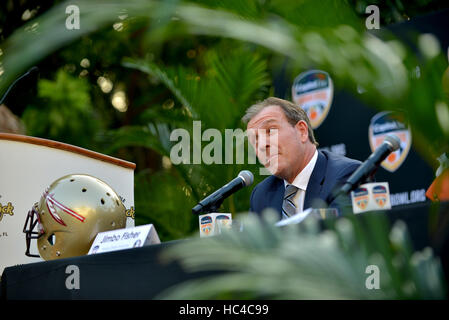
383 124
380 195
361 197
313 91
206 229
206 224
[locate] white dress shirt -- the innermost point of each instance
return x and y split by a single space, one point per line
301 181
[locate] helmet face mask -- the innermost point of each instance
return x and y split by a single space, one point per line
70 213
31 222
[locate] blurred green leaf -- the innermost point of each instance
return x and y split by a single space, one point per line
164 199
301 262
66 111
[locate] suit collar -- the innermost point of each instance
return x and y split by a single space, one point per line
302 179
316 180
275 194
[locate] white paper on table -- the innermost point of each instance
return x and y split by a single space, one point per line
295 219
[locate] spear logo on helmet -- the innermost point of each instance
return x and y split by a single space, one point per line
52 203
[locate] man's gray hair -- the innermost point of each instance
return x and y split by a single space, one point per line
293 113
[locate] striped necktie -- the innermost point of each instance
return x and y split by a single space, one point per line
288 206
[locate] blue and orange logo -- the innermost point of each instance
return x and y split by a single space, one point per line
361 197
313 91
381 125
380 195
206 225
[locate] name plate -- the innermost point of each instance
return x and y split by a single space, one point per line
213 223
126 238
371 197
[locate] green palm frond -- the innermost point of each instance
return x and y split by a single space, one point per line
304 14
74 94
169 80
302 262
241 76
140 136
220 94
248 9
172 217
218 97
352 56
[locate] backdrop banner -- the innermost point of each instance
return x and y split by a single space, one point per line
350 127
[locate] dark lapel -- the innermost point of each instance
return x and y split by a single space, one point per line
316 180
276 195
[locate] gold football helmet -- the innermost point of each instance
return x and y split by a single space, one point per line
69 215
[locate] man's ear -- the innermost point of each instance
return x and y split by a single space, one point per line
303 129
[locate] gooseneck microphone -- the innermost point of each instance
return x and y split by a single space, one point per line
367 168
214 200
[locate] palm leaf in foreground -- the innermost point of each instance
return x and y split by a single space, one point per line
302 262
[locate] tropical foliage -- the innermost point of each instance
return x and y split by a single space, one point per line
338 260
50 120
137 70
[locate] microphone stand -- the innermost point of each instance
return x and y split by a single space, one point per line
211 208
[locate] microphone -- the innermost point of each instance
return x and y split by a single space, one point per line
32 70
389 145
214 200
